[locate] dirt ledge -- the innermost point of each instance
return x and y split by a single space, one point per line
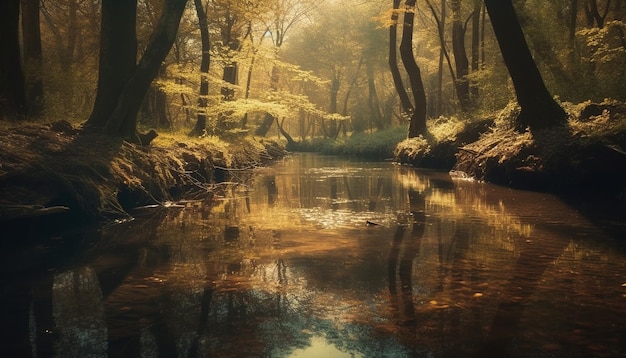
51 169
586 157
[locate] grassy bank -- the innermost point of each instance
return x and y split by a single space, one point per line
377 145
587 155
54 168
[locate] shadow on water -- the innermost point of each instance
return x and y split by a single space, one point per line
285 266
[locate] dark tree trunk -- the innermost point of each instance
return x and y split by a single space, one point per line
442 53
346 99
161 113
244 120
373 103
33 64
204 69
405 102
12 83
230 38
269 119
593 13
154 108
123 120
539 110
118 57
460 56
281 129
332 108
478 4
230 76
417 124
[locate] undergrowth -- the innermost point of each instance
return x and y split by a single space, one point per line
375 145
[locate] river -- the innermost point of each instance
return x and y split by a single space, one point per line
321 256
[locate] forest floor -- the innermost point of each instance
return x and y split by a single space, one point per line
55 170
585 157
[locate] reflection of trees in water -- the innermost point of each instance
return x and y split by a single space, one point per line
207 281
460 308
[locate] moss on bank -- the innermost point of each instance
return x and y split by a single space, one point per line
377 145
54 168
586 155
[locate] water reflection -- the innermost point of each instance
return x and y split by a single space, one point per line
284 265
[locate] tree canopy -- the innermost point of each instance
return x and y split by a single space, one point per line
316 68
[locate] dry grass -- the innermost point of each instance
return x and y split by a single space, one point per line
101 177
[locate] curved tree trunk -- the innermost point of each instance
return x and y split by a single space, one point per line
417 124
539 110
204 69
123 120
405 102
269 119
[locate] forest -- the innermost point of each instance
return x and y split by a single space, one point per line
312 178
435 84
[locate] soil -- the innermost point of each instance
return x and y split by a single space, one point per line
585 157
58 170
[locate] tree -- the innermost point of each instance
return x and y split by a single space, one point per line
118 57
284 15
538 108
33 64
405 102
417 124
70 33
204 68
121 119
12 83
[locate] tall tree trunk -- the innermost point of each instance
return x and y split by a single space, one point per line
405 102
478 4
123 121
118 57
231 39
442 42
417 124
204 70
442 52
346 99
33 63
593 13
332 107
373 103
244 121
460 56
269 119
12 85
539 109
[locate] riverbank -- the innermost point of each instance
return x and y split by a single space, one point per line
585 157
57 170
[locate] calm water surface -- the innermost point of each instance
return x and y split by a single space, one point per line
326 257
